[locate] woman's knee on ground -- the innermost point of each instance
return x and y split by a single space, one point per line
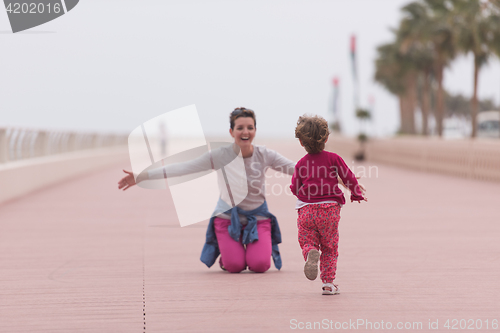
234 266
259 265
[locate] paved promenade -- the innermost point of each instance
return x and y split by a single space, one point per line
84 257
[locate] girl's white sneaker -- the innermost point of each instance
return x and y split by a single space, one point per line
311 266
330 289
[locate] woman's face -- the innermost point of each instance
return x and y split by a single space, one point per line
243 132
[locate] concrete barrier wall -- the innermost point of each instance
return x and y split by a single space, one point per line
21 177
346 147
475 159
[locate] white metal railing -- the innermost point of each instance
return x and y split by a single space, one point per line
22 143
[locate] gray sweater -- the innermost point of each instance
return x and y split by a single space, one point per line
247 187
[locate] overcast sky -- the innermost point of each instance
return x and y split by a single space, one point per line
109 65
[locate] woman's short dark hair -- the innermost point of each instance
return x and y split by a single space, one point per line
312 132
241 112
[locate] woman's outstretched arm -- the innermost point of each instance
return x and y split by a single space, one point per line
281 163
172 170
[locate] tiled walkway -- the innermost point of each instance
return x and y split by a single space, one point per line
84 257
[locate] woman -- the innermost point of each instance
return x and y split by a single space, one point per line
247 234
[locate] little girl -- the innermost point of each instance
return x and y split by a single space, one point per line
319 200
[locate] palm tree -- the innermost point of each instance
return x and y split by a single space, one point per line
478 32
396 69
426 68
390 72
441 36
417 46
428 26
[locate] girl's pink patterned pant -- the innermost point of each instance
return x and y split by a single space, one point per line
318 226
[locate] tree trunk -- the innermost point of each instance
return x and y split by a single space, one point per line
403 111
426 102
406 114
412 102
440 100
402 108
474 106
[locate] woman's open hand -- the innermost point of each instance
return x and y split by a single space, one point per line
127 181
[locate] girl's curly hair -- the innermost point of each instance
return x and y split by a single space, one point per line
313 132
